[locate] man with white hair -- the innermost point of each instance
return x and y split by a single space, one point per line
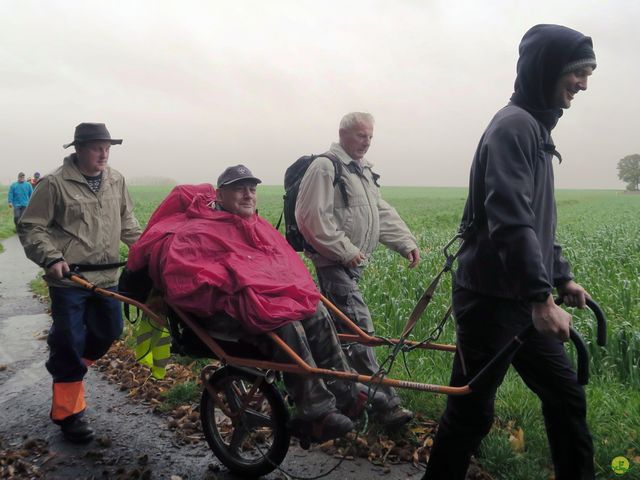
342 227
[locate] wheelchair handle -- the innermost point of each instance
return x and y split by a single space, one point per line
601 320
73 273
483 377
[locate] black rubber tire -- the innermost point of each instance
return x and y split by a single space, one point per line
263 423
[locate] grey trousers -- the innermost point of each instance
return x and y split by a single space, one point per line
340 285
316 341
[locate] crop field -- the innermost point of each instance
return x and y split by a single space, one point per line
600 233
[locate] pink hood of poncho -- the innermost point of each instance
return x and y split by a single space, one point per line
207 261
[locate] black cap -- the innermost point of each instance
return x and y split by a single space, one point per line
235 174
91 132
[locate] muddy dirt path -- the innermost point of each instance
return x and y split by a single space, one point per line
131 442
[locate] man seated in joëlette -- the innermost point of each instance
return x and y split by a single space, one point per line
208 251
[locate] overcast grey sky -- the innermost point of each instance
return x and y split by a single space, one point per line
194 86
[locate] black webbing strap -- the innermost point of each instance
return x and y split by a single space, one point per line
551 148
428 293
87 267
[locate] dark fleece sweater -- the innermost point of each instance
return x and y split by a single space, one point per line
510 249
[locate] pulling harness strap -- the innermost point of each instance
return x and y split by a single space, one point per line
426 297
419 309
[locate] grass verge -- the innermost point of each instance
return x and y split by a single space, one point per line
7 228
180 394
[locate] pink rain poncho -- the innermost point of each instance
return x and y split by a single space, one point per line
206 261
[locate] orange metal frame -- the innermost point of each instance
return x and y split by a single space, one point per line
364 338
298 365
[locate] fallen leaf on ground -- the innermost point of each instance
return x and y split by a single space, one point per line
516 440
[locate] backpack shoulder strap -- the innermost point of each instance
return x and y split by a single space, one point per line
547 142
337 166
374 176
338 175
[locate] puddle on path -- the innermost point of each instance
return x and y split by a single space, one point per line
22 323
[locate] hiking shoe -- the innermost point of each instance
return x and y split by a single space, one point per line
379 400
77 431
394 417
378 403
330 426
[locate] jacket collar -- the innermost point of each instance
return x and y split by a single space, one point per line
71 172
344 157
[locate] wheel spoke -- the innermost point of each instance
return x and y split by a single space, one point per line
233 397
237 439
254 419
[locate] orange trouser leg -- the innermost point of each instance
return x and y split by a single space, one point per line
88 362
68 399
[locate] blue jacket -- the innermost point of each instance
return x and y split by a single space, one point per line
20 193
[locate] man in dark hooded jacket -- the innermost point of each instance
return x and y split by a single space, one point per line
509 264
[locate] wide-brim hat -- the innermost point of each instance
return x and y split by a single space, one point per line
235 174
91 132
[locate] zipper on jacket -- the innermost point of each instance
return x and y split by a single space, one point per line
369 233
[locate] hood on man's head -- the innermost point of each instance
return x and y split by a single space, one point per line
545 51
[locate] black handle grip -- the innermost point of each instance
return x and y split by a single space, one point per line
482 379
601 320
583 357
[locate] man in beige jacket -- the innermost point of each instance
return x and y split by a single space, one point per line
344 232
78 215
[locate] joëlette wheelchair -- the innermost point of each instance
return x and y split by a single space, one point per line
244 416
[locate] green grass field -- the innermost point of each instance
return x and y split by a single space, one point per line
6 216
599 230
600 234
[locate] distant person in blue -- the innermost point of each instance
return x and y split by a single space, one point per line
19 195
35 179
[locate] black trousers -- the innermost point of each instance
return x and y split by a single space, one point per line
484 325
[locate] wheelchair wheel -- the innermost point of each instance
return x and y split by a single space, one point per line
252 441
